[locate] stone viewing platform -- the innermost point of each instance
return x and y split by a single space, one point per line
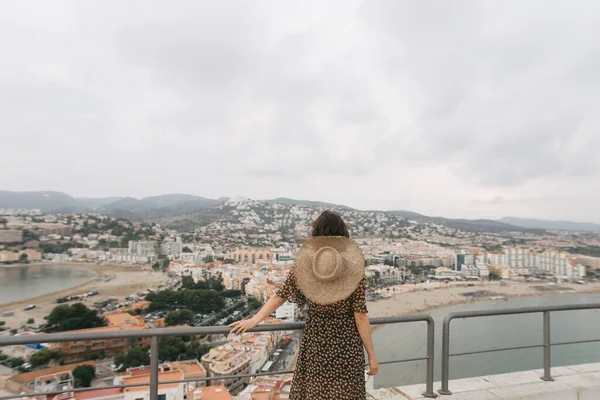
576 382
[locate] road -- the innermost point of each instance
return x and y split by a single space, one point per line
288 355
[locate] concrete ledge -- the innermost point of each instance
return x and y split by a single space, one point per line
577 382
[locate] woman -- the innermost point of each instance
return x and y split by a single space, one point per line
329 276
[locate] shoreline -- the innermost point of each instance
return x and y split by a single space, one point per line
55 292
423 301
127 280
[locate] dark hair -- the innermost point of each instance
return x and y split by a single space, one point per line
329 223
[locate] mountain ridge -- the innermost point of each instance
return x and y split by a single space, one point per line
551 225
179 204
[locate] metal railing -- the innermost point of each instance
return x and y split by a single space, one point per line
155 334
547 345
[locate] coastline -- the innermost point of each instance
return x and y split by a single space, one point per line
423 301
127 280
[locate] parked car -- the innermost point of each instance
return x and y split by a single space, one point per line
30 307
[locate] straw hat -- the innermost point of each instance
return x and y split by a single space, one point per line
329 268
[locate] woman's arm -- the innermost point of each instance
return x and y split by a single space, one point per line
242 326
364 330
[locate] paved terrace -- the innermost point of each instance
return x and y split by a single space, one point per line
577 382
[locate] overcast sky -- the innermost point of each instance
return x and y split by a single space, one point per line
452 108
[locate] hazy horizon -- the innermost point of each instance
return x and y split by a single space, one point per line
455 109
323 201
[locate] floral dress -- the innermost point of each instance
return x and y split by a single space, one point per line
331 362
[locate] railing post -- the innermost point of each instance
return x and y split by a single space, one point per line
430 353
445 357
547 373
154 368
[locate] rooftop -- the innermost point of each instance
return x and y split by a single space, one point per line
124 319
33 375
162 376
189 367
210 393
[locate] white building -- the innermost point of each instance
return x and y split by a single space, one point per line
287 312
141 248
172 247
559 264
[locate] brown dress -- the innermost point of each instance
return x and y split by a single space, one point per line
331 362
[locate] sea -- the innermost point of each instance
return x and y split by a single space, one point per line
23 282
408 340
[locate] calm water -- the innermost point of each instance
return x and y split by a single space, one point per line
393 342
20 283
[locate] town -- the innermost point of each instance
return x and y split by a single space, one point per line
221 270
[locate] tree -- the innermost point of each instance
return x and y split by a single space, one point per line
165 263
29 236
31 321
187 282
254 304
156 266
44 356
171 348
16 362
23 257
134 357
73 317
202 301
187 249
231 293
495 276
180 317
212 284
83 376
195 350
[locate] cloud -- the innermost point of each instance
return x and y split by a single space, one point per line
374 104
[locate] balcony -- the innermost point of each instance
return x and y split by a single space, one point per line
426 390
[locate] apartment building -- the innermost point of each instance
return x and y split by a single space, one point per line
82 350
46 378
589 261
11 236
227 360
168 391
560 264
251 256
13 256
141 248
191 369
172 247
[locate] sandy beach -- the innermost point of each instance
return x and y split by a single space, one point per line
411 299
127 280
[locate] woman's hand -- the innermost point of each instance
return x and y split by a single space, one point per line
242 326
373 366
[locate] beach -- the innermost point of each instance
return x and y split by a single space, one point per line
415 299
127 280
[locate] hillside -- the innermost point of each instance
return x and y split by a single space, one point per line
44 200
128 207
467 225
96 202
189 212
309 203
551 225
240 214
